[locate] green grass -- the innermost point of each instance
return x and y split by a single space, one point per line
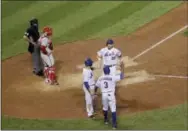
186 33
174 118
73 20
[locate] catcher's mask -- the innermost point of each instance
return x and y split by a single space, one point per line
88 62
34 22
47 30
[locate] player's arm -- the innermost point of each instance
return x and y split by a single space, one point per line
86 81
99 57
28 37
44 47
97 85
86 84
119 56
50 45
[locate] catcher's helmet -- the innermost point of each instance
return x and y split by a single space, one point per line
34 22
88 62
110 42
47 30
106 70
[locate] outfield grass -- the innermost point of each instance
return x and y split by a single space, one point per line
76 20
174 118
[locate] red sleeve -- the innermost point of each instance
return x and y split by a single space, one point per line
43 49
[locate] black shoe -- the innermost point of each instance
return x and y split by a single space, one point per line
40 73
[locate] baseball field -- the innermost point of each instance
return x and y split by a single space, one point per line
152 36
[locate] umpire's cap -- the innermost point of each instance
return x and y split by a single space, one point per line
88 62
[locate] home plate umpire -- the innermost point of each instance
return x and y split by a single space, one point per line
31 36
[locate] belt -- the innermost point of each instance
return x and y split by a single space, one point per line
110 65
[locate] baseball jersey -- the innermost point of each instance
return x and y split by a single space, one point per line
88 76
107 83
45 44
110 57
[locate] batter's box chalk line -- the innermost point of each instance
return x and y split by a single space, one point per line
170 76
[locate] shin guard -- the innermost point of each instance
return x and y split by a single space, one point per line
46 71
52 76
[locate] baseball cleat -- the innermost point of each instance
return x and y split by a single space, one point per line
106 122
40 73
114 128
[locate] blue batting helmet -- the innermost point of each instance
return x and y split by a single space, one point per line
109 41
88 62
106 70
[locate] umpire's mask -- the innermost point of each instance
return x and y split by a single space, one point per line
34 23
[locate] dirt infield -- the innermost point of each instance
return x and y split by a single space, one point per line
26 96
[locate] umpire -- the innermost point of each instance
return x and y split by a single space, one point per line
31 36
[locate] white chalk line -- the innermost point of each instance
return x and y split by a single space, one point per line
160 42
171 76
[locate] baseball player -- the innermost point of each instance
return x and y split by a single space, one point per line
109 56
31 36
107 84
88 87
47 56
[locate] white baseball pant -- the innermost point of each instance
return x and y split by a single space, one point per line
109 100
48 60
89 100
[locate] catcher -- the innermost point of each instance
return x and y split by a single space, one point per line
46 48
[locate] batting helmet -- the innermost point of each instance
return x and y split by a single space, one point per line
106 70
47 30
110 42
88 62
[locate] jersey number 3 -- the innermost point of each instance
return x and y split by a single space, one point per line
105 84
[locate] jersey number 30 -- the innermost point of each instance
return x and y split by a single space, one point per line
105 84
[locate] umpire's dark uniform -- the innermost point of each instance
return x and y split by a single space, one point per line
32 32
